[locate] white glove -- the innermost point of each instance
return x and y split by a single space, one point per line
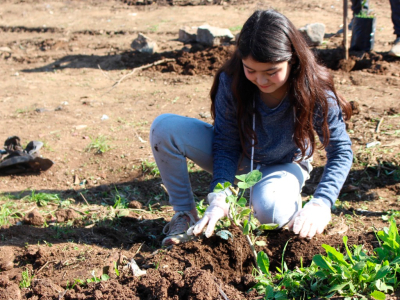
310 220
217 209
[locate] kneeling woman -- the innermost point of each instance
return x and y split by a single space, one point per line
269 99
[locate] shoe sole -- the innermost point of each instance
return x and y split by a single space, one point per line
177 239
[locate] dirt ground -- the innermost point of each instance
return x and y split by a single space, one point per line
61 63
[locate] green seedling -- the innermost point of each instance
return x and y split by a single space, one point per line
201 208
26 279
100 144
241 215
116 269
76 281
103 277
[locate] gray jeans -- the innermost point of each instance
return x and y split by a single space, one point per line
174 138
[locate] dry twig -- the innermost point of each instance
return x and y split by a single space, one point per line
378 126
159 62
84 199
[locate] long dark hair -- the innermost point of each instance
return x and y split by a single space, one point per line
268 36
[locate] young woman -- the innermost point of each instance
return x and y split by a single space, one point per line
267 101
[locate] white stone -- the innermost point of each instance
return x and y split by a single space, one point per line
213 36
314 33
187 34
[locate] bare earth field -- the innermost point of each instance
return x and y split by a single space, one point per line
102 203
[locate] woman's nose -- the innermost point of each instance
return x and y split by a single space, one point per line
262 80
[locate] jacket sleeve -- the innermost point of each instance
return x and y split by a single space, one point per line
226 143
338 152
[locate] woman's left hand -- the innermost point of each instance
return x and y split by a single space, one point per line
310 220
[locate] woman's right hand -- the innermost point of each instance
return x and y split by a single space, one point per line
217 209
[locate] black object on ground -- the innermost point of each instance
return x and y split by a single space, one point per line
363 34
18 160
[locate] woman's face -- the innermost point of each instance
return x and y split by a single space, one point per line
270 78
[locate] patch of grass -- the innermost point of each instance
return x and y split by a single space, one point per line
154 28
7 211
236 28
100 144
150 168
43 199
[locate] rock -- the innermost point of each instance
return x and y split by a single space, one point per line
5 49
34 218
213 36
187 34
144 44
313 33
205 115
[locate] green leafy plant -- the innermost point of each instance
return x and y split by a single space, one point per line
353 274
26 279
100 144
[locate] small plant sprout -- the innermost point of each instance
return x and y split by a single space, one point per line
103 277
26 279
116 269
100 144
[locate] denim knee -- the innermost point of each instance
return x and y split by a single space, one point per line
276 199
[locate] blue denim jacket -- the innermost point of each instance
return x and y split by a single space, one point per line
275 130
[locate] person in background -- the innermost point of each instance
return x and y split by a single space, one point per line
269 98
362 5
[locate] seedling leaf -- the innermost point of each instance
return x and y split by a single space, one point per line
242 202
263 262
246 227
218 188
261 243
270 226
224 234
321 262
378 295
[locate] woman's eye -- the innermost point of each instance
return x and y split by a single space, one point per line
250 72
272 74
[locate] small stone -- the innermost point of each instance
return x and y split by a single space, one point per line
213 36
144 44
187 34
313 33
205 115
5 49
